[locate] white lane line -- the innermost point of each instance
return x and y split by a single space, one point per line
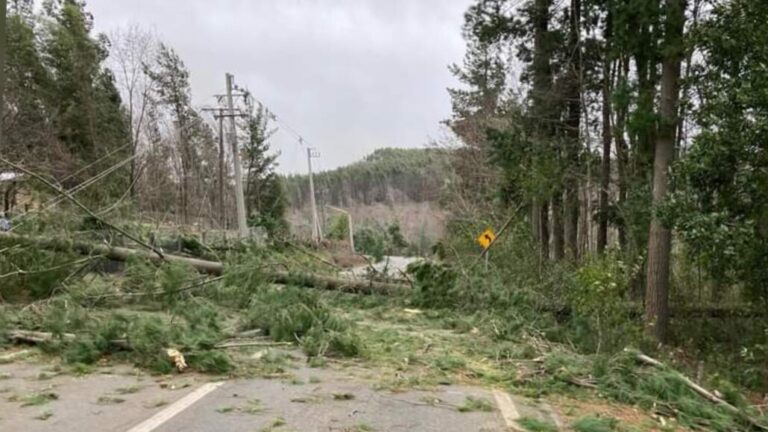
180 405
508 410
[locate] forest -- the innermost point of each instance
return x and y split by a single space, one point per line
116 110
626 132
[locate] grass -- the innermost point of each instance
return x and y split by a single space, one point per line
252 406
43 376
43 416
594 423
37 399
307 399
157 403
128 389
82 369
226 409
472 404
343 396
534 425
276 424
109 400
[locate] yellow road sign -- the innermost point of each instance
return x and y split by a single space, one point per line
486 238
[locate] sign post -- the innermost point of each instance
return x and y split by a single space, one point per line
486 239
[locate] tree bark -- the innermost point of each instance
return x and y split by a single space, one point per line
573 131
558 228
540 95
660 236
605 167
544 230
622 155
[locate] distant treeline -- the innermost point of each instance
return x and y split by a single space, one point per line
386 176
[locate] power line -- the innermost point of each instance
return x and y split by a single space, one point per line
300 138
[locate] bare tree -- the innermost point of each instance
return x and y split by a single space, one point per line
132 48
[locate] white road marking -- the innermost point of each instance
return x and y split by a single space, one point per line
508 410
180 405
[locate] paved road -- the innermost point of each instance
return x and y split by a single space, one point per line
390 266
122 399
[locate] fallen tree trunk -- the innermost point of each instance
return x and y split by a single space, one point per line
701 391
360 286
111 252
208 267
37 337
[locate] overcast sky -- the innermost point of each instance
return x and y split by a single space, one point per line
349 75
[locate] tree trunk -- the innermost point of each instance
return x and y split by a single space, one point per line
544 230
660 236
558 228
622 156
535 221
605 167
573 129
542 84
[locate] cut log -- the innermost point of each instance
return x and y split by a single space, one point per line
35 337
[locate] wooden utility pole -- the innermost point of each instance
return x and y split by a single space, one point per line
242 227
220 114
222 167
316 231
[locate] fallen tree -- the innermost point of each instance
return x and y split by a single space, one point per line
214 268
701 391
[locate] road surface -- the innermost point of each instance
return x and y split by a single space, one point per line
37 397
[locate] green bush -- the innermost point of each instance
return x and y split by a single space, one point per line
339 229
599 304
371 242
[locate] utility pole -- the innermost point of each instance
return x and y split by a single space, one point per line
222 210
220 114
239 197
316 232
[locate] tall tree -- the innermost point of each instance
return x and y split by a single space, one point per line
27 135
721 198
85 104
660 236
477 103
171 86
573 128
132 48
607 135
264 196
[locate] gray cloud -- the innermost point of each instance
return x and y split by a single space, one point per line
349 75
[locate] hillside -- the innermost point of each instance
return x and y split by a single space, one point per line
402 185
